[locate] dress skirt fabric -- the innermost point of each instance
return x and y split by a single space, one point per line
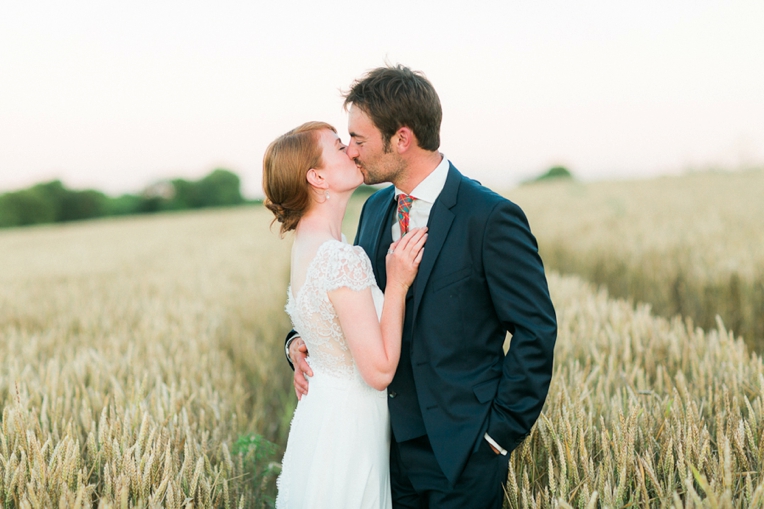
338 449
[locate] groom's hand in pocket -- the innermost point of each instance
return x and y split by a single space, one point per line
298 352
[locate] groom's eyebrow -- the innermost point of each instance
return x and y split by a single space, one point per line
355 135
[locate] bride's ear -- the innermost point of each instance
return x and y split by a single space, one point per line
316 179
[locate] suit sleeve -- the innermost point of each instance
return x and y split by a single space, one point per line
289 337
520 296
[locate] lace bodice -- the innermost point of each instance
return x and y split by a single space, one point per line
335 265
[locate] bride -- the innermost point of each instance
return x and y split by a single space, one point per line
338 447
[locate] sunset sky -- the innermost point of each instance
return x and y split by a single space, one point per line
116 95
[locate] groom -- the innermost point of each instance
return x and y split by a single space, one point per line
458 405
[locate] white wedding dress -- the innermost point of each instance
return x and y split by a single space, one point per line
337 454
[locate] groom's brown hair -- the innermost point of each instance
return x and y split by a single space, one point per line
395 97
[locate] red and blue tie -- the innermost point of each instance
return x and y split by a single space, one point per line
404 208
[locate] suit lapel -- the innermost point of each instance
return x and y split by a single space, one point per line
378 220
441 217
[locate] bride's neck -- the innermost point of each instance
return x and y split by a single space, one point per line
324 219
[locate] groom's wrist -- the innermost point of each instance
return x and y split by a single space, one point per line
290 339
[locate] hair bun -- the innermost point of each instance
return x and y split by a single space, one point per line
278 210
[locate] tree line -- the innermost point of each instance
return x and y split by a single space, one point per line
52 202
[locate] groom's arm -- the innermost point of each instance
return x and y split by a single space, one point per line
520 296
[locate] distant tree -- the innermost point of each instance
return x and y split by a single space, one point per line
186 195
220 188
54 193
124 205
70 205
25 207
88 204
553 173
150 204
156 197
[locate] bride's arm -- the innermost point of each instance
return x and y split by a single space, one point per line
376 344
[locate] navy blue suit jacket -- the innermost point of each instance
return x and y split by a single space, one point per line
480 277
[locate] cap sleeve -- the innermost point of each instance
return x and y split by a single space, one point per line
348 266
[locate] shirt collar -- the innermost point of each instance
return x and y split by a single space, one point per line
429 189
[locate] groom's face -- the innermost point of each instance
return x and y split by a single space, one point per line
377 161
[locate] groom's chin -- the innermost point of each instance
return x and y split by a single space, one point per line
370 180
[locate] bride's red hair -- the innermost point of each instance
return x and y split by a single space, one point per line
285 166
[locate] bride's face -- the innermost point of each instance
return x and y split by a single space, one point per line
340 171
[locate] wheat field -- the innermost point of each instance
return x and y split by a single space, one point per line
642 412
137 356
691 245
141 365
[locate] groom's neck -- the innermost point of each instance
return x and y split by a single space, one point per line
419 165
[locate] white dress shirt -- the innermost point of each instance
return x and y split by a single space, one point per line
425 195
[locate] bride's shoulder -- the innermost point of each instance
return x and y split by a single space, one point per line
335 249
345 265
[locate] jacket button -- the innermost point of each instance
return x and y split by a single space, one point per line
392 394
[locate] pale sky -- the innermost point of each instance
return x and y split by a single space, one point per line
116 95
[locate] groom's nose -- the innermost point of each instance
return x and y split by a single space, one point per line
352 150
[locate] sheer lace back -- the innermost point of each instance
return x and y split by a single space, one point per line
335 265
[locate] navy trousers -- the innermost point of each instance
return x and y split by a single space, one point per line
418 482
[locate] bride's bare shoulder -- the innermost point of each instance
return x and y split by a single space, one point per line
306 247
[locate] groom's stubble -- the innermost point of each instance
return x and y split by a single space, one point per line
386 167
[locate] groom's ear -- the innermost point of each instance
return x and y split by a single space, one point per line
403 139
316 178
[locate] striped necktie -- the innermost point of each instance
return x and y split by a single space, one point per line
404 208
